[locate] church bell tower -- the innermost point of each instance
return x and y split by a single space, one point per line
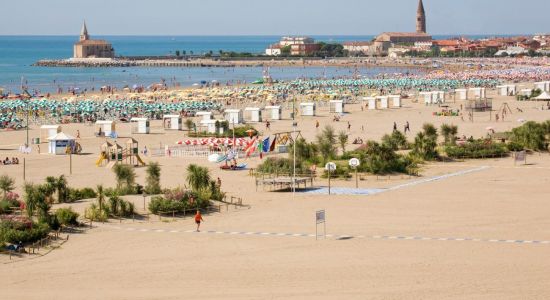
420 18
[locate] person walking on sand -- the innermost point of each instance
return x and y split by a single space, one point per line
407 127
316 124
78 134
198 219
394 126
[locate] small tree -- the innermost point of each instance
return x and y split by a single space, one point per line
197 177
125 177
449 133
100 196
326 140
62 187
152 180
7 184
343 140
189 124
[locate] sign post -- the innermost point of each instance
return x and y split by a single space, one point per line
354 163
320 218
330 167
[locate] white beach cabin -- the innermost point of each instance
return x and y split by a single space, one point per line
307 109
276 112
427 97
372 103
478 93
47 131
395 101
461 94
438 97
107 127
234 116
140 125
383 102
506 90
205 115
544 86
254 114
58 143
337 106
208 125
172 122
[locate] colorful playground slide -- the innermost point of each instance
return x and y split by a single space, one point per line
100 160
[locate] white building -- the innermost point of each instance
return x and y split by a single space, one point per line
273 50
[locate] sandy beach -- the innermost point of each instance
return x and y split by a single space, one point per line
478 230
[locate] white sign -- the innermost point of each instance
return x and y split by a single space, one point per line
330 166
354 162
320 216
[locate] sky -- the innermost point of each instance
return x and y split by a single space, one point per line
279 17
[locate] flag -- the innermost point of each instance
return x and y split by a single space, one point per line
250 145
265 145
251 148
272 147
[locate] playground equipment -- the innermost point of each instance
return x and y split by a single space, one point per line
106 128
172 122
113 153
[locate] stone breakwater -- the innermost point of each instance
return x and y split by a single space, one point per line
129 63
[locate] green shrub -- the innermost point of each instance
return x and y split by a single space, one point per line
15 232
477 149
66 216
514 147
119 207
93 213
272 165
161 205
80 194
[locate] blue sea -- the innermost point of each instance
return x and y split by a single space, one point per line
18 53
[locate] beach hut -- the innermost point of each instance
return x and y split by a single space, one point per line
209 126
140 125
307 109
395 100
427 97
106 128
372 103
337 106
276 112
205 115
234 116
478 93
254 114
383 102
58 143
172 122
462 94
543 86
47 131
506 90
438 97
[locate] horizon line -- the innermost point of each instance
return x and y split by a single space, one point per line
268 35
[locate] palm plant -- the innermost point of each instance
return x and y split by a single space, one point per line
152 180
100 196
343 140
125 177
49 188
197 177
36 200
326 140
7 184
62 186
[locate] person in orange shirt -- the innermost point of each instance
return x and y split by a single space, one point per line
198 219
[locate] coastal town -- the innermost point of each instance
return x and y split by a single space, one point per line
406 165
